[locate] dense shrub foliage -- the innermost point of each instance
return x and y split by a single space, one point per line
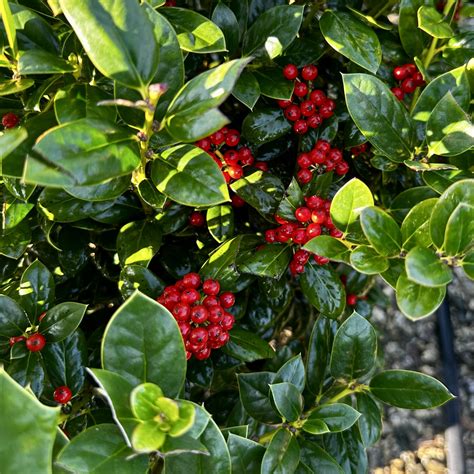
198 200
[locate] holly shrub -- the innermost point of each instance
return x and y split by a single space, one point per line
201 200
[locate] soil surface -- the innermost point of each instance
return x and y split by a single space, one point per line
414 346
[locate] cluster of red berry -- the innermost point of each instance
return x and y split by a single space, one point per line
409 79
10 120
308 107
312 220
359 149
321 159
200 312
222 147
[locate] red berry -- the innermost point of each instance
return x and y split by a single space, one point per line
171 299
318 217
223 339
292 113
284 103
270 236
313 230
330 165
323 145
300 127
336 233
315 121
227 177
335 155
62 394
13 340
304 176
290 71
211 287
418 79
318 97
317 156
351 300
10 120
188 355
237 201
197 219
204 143
210 301
411 69
232 138
288 229
198 336
301 89
307 108
190 296
192 280
314 202
326 111
321 260
342 168
185 329
408 85
400 73
215 158
214 331
182 312
398 93
309 73
301 256
280 220
261 165
231 157
296 267
299 237
203 353
303 214
218 137
235 171
227 299
41 316
282 237
227 322
246 157
303 160
199 314
35 342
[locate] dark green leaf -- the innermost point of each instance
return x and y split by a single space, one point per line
247 89
246 455
416 225
287 399
137 277
13 320
459 234
220 222
292 200
366 260
13 242
111 189
292 371
381 230
10 140
282 455
468 264
425 268
406 200
269 260
225 19
264 125
61 320
411 36
370 421
247 346
328 247
28 371
432 22
273 84
319 460
337 416
42 62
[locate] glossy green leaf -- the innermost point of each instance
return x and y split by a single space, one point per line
13 319
337 416
220 222
188 175
379 116
416 225
273 84
268 261
370 421
101 449
315 426
117 37
323 288
142 343
462 192
66 151
319 460
193 114
329 247
137 277
264 125
247 89
106 191
61 320
416 301
292 371
261 190
354 350
246 455
459 234
292 199
36 290
287 399
143 401
468 264
14 86
351 38
411 37
424 267
266 37
407 389
196 33
449 130
439 181
282 455
366 260
432 22
348 203
13 242
381 230
138 242
28 371
42 62
30 423
406 200
10 140
13 211
247 346
225 19
147 437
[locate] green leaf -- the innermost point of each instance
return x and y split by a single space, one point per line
406 200
66 151
10 140
261 190
354 350
101 449
30 423
42 62
381 231
247 89
36 290
323 288
264 125
407 389
188 175
61 320
117 37
468 264
411 37
425 268
143 401
138 242
282 455
319 460
432 22
348 203
461 192
381 118
266 37
196 33
142 342
220 222
449 130
455 81
273 84
137 277
254 395
315 426
193 114
247 346
292 199
459 230
106 191
292 371
329 247
13 242
28 371
287 399
268 261
246 455
147 437
14 86
370 421
366 260
225 19
337 416
13 320
416 225
351 38
416 301
151 195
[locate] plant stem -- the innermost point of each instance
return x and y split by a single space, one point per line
267 437
344 393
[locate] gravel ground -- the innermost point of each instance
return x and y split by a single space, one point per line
414 346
